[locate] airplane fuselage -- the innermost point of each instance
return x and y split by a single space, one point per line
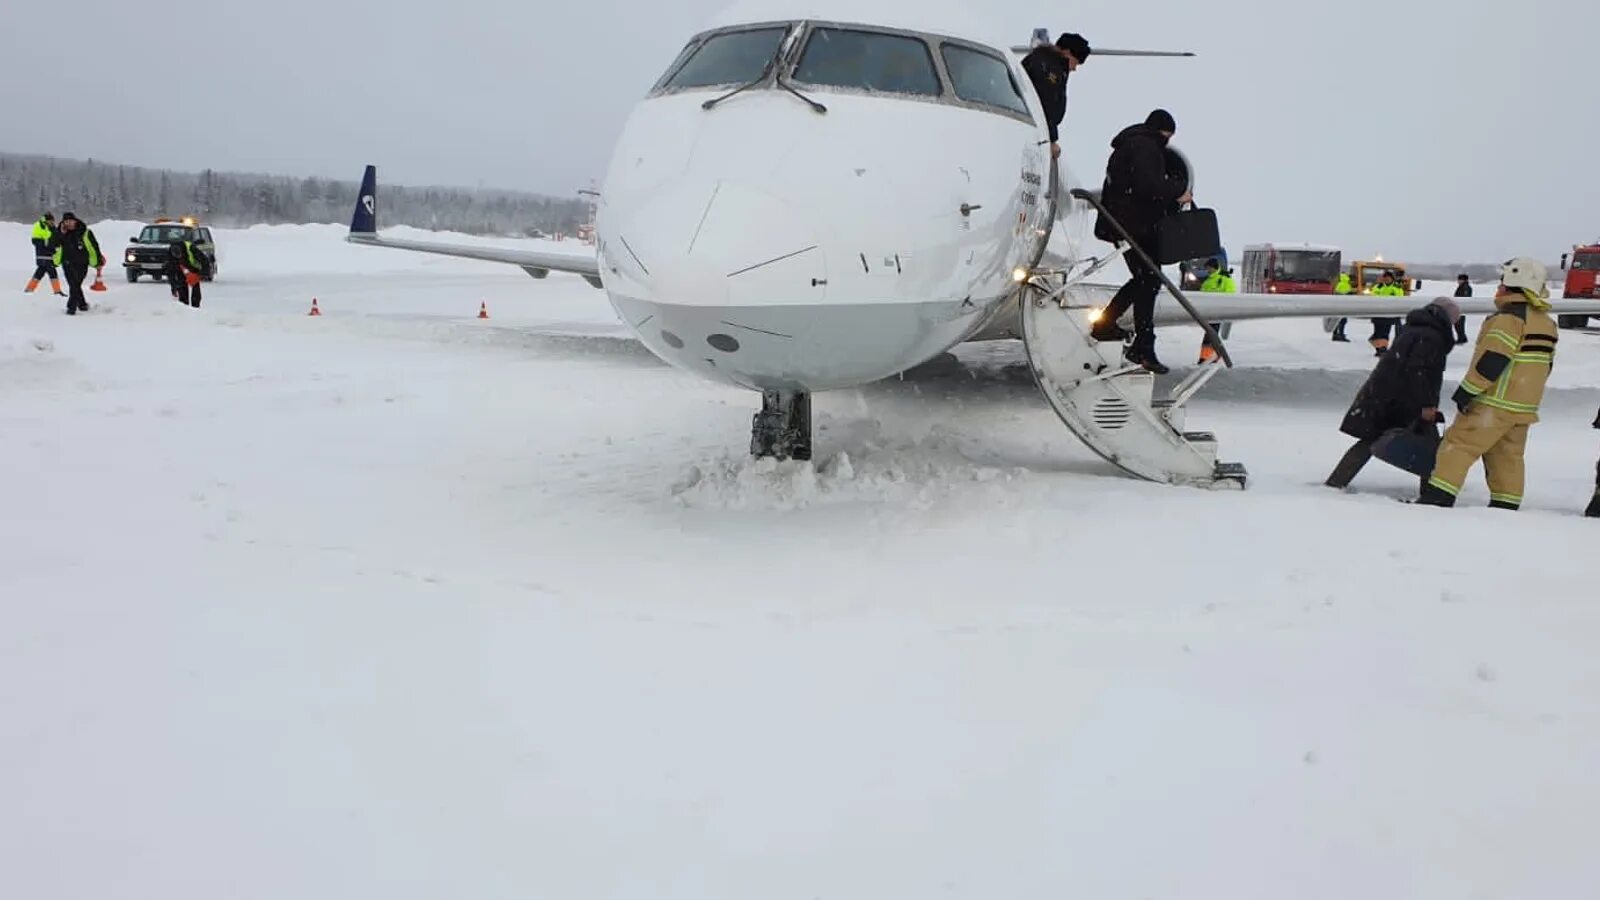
771 246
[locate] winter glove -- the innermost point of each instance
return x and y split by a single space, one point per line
1462 399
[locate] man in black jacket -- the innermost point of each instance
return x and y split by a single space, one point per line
1403 389
1048 67
186 267
78 252
1141 189
1463 289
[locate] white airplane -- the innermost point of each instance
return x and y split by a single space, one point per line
820 194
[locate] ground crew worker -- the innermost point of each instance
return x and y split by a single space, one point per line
1217 282
1384 327
1500 395
76 252
1342 288
185 269
1463 289
44 261
1048 67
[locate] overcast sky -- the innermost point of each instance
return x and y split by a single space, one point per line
1415 128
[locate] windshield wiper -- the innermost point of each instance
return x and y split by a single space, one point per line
816 107
765 71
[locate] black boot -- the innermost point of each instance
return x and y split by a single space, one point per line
1339 338
1432 496
1593 511
1142 352
1355 459
1107 330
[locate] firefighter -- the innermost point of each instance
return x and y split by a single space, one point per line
1140 190
76 252
1500 395
1048 67
1342 288
1403 390
1383 328
1217 282
185 269
1463 289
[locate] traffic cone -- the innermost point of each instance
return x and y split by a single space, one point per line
483 310
99 282
314 310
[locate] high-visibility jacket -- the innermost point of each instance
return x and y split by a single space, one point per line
78 245
183 254
42 233
1388 290
1344 286
1218 283
1512 361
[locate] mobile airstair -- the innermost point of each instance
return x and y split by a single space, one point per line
1109 404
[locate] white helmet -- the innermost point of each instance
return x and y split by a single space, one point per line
1526 274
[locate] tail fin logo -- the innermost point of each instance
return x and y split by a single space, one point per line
371 204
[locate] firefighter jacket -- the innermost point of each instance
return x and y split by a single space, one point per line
42 233
1218 283
1511 363
77 247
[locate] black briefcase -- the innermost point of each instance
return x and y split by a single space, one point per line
1413 449
1186 235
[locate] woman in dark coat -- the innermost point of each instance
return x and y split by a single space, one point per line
1403 389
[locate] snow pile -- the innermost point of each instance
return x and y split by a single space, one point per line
914 474
28 363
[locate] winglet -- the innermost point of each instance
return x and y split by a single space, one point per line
365 219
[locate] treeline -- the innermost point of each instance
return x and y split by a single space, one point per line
30 185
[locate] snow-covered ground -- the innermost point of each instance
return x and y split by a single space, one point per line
398 603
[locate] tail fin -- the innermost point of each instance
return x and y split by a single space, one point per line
365 219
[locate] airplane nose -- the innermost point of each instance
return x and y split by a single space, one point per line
720 243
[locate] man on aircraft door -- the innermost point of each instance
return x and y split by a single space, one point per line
1048 67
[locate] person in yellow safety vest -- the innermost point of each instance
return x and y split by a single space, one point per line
1342 288
1500 395
44 231
1217 282
76 252
1384 327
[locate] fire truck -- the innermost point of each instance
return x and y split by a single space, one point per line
1290 269
1583 272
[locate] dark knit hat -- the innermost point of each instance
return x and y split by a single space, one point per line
1074 44
1161 120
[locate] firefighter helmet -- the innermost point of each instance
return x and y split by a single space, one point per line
1528 275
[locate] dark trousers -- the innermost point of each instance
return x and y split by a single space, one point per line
1338 330
1382 329
45 269
1140 293
75 276
185 293
1461 330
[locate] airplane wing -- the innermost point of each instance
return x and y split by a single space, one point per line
364 230
1245 307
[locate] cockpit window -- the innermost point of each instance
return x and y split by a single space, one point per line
733 57
981 78
870 61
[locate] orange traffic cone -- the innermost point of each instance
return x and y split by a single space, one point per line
314 310
483 310
99 281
